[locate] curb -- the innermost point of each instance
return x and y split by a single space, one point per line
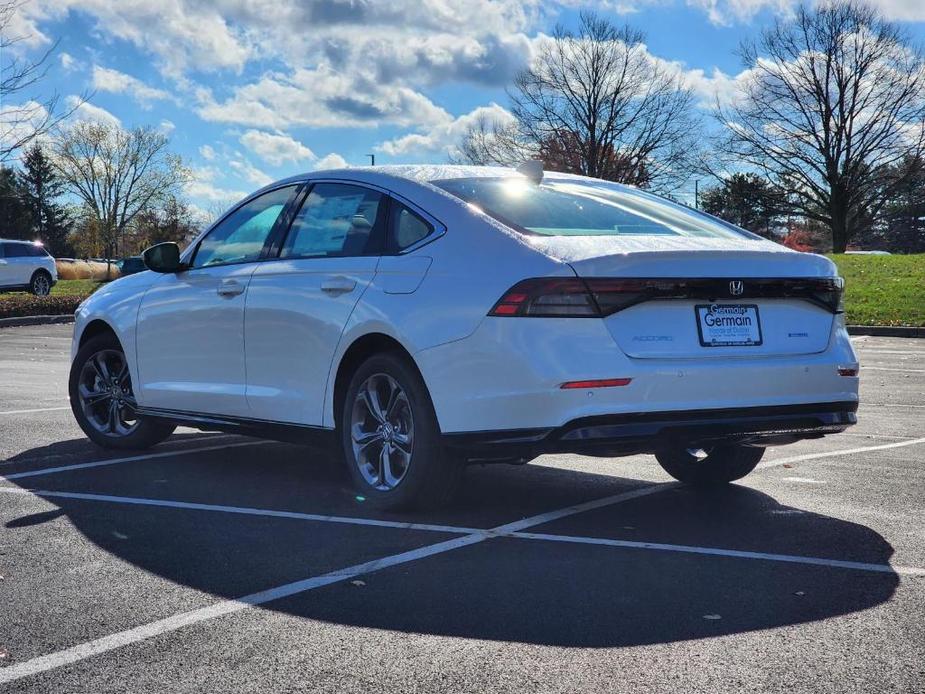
886 331
35 320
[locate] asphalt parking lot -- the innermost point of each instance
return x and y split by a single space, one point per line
216 563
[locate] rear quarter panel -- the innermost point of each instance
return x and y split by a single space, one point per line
471 266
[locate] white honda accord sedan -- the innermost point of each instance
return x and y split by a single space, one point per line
421 318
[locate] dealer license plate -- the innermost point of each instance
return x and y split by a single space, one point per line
728 325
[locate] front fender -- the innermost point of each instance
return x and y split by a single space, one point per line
116 305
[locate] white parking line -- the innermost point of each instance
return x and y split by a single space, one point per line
514 529
906 353
219 609
891 404
37 409
833 454
129 459
884 368
739 554
241 510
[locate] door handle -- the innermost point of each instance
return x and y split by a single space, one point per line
230 288
338 285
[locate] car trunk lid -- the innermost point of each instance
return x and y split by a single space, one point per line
686 297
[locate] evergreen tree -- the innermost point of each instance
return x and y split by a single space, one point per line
15 214
42 187
746 200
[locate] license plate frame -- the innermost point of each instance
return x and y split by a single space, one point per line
731 335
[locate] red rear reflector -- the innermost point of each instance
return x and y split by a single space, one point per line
846 371
603 383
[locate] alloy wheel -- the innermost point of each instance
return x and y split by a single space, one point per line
41 286
105 393
382 432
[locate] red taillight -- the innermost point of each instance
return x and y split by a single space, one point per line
847 371
547 297
569 297
601 383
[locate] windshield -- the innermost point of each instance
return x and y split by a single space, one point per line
570 208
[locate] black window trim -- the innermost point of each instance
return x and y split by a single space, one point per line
392 240
284 217
277 237
438 228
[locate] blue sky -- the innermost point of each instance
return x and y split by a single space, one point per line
254 90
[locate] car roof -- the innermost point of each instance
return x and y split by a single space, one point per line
419 173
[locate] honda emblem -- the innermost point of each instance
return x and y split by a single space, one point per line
736 288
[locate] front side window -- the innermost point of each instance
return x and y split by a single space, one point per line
571 208
240 237
336 219
407 227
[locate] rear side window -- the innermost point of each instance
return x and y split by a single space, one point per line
336 219
407 227
240 237
16 250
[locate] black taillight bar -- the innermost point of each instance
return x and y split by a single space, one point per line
603 296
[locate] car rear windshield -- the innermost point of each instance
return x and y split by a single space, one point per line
570 208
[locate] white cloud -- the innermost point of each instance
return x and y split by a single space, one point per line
330 161
85 111
276 148
108 80
167 126
68 62
250 172
202 186
319 98
445 136
18 122
180 33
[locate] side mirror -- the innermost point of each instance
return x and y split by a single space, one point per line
163 257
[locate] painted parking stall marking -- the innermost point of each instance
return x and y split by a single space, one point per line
225 607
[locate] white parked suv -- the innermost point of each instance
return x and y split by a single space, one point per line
419 318
26 266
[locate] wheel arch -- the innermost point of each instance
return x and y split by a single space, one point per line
359 350
96 327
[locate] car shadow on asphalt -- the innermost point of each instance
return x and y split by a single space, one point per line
506 589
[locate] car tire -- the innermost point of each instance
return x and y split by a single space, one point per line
40 284
721 465
102 398
391 440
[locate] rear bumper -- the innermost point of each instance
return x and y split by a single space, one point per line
628 434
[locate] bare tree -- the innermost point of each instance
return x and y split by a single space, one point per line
21 123
834 99
601 97
117 173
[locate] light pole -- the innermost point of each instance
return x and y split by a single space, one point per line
372 159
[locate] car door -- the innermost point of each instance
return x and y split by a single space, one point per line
6 272
190 330
17 266
299 302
